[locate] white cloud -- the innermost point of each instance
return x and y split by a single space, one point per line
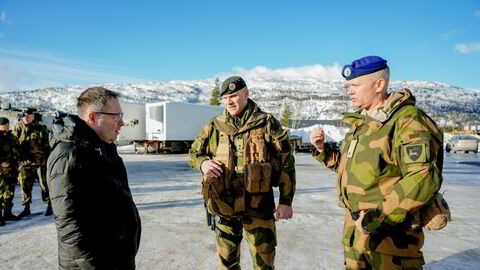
449 34
24 69
465 48
330 72
3 17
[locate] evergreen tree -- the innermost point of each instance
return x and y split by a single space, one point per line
215 99
286 115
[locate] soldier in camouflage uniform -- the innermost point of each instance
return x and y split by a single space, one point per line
244 153
388 167
8 171
34 148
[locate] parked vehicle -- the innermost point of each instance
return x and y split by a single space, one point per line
164 127
464 143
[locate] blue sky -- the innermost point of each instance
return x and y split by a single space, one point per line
54 42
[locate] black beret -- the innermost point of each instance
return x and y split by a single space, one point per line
4 121
29 111
232 85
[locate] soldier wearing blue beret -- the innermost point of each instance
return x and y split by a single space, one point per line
388 170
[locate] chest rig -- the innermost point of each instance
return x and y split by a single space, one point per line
245 160
248 160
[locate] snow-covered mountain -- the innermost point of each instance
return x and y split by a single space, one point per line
307 99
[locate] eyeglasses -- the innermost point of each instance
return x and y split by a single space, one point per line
117 116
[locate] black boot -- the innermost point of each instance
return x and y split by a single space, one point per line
49 210
2 221
7 215
25 212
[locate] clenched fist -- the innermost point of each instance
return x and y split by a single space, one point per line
317 138
212 168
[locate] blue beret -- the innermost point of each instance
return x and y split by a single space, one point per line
363 66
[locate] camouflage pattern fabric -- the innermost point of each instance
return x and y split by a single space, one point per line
256 137
367 260
34 145
255 154
389 169
27 176
34 151
9 152
260 235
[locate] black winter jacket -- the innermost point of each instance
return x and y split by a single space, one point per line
98 224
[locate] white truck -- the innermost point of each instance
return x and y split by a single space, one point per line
164 126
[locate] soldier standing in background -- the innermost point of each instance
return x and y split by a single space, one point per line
388 167
242 154
8 171
34 151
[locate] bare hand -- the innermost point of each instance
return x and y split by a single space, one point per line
212 168
283 212
317 138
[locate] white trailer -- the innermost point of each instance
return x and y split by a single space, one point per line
173 126
164 126
134 118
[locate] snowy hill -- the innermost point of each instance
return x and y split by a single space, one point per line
308 99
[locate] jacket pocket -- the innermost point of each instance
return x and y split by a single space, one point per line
436 215
258 177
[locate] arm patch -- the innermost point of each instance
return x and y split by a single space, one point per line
415 152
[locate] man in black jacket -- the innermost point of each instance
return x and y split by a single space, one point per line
98 225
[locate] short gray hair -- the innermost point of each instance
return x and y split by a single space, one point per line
96 97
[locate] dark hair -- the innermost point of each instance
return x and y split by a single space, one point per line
94 96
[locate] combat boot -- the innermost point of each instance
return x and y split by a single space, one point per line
25 212
7 215
49 210
2 221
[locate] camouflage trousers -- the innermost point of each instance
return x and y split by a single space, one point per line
7 189
261 238
27 176
370 260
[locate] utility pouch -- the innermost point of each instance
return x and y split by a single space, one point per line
212 187
436 215
258 177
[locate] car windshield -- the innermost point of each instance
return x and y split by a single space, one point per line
463 137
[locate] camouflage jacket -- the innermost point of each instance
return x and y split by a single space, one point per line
256 155
34 145
9 153
390 169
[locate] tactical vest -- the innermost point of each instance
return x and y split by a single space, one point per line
246 164
248 167
33 140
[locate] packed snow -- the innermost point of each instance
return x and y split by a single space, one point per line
175 235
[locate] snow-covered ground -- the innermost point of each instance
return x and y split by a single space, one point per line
175 236
332 133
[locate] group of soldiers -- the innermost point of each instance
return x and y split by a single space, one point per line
23 156
389 172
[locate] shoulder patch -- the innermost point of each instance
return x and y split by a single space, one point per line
415 153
